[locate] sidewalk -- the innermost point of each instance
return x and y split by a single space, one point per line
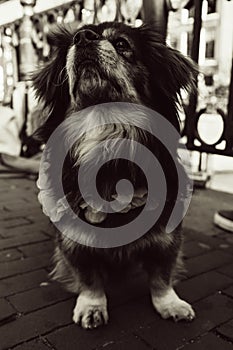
35 314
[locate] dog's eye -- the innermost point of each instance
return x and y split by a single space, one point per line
121 44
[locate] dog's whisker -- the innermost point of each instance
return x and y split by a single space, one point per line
59 77
64 80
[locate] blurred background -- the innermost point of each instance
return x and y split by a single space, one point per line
36 314
202 29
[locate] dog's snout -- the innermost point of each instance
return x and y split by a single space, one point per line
85 36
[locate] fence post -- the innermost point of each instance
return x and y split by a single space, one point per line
156 11
27 56
229 131
191 110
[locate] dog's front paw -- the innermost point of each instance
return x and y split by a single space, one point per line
89 312
170 305
178 310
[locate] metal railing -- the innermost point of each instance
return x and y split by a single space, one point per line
194 139
23 44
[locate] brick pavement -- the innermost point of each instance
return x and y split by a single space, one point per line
36 314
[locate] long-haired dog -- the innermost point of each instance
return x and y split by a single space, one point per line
112 62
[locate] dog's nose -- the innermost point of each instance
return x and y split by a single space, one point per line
85 36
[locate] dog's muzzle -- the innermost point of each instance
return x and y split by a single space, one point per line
85 37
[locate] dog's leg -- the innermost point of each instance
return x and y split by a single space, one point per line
83 279
168 304
164 298
91 307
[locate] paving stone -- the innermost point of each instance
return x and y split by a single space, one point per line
168 335
25 229
130 306
201 286
191 234
7 311
126 342
21 240
215 242
226 247
24 183
37 217
195 248
10 254
229 291
207 342
12 195
229 238
12 268
12 188
14 222
37 248
20 212
226 330
135 314
39 297
34 324
227 270
11 200
83 339
33 345
204 204
207 262
11 206
16 284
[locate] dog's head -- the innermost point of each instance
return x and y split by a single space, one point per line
110 62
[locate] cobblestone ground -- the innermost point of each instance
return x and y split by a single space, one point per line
35 314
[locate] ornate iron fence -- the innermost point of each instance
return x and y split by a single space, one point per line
23 45
223 144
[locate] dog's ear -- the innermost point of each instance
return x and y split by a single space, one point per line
51 84
181 72
172 70
169 70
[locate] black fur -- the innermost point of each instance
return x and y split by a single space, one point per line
154 73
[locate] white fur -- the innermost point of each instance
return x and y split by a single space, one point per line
168 304
91 309
70 70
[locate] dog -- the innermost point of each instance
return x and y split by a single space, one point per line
115 63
